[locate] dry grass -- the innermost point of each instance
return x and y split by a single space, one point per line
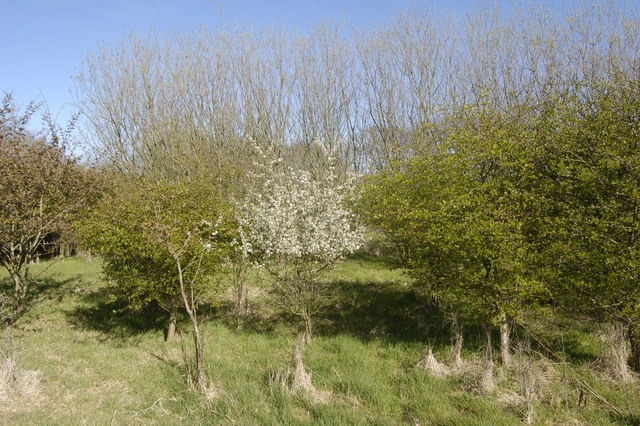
296 380
17 385
431 365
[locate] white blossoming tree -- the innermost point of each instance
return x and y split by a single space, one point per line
298 225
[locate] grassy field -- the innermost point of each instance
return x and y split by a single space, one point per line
99 366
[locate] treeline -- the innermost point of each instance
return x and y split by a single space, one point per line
185 102
509 219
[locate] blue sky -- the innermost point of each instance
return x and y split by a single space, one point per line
44 42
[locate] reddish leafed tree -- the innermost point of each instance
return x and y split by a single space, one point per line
41 190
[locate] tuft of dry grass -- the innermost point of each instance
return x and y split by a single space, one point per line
16 384
297 380
431 365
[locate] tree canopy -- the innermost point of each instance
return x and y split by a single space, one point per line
142 226
42 190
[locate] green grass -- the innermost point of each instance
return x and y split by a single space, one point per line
100 366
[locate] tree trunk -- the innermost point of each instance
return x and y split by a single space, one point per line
200 380
20 291
240 293
634 339
457 341
505 340
171 327
487 384
241 300
616 352
308 328
189 305
18 268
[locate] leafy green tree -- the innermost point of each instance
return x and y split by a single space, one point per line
589 178
542 204
460 214
164 242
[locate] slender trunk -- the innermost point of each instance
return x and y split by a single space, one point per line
457 341
487 384
634 339
308 328
18 269
171 327
16 277
240 292
17 286
20 292
241 300
488 349
199 379
63 251
505 340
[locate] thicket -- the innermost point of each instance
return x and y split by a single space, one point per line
491 144
497 155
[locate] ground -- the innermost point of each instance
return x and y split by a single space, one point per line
99 365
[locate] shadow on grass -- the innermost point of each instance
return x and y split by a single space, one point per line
49 288
570 346
100 312
173 369
366 310
263 318
40 290
380 310
574 339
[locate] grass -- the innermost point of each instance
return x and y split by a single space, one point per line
99 366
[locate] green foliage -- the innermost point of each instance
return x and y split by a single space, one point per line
591 180
533 205
458 216
141 226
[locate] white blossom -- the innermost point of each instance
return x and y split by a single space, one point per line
294 215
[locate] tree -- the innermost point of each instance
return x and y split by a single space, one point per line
589 176
381 93
164 242
42 190
459 214
388 99
199 249
298 226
